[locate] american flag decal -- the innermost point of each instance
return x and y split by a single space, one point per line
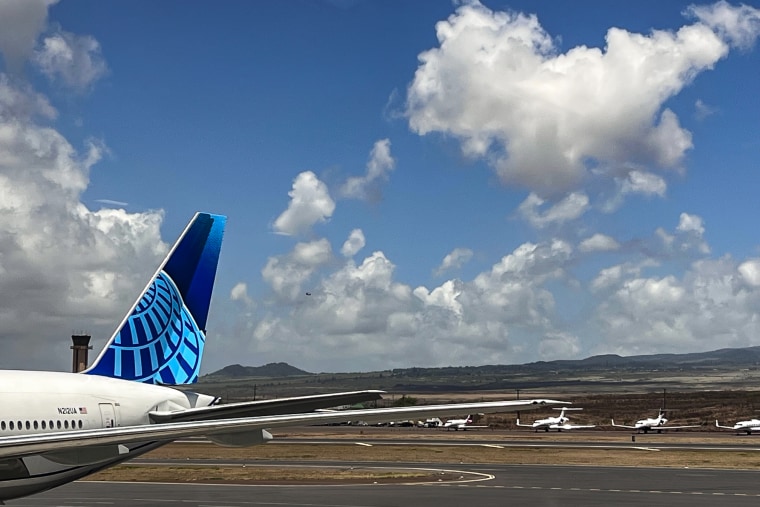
83 410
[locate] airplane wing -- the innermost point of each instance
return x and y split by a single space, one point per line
623 426
571 426
266 407
524 425
472 427
717 425
109 438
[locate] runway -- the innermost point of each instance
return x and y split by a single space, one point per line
746 446
501 485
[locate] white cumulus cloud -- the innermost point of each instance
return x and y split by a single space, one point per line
750 272
598 243
498 83
380 164
569 208
64 266
21 22
240 293
454 260
692 233
310 203
353 244
690 223
75 60
738 25
359 314
286 274
710 306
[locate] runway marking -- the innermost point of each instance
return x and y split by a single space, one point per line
600 490
493 446
364 444
475 477
646 449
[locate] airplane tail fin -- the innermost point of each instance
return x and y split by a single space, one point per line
161 339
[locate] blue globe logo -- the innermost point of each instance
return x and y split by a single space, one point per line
160 338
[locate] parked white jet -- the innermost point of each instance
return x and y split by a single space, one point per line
462 424
657 424
746 426
57 427
562 422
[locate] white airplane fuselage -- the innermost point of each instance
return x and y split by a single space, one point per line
40 396
748 426
39 402
549 422
649 423
457 424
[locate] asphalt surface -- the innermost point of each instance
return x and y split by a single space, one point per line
481 485
478 484
746 446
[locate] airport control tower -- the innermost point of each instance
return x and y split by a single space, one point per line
81 345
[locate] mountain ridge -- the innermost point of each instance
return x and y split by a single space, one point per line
744 356
280 369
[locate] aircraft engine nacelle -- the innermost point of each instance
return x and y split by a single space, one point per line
241 438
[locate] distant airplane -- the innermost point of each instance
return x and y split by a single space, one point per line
556 423
462 424
57 427
746 426
657 424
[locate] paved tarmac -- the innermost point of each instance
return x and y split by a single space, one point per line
480 484
745 446
486 485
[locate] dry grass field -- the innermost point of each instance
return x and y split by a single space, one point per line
684 407
262 474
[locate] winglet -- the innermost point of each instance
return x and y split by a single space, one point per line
161 339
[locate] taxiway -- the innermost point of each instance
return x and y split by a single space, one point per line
501 485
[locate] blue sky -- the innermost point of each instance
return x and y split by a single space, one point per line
453 183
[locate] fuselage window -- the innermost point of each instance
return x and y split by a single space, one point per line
43 424
80 424
11 425
2 425
58 424
20 426
28 425
52 425
66 424
35 425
